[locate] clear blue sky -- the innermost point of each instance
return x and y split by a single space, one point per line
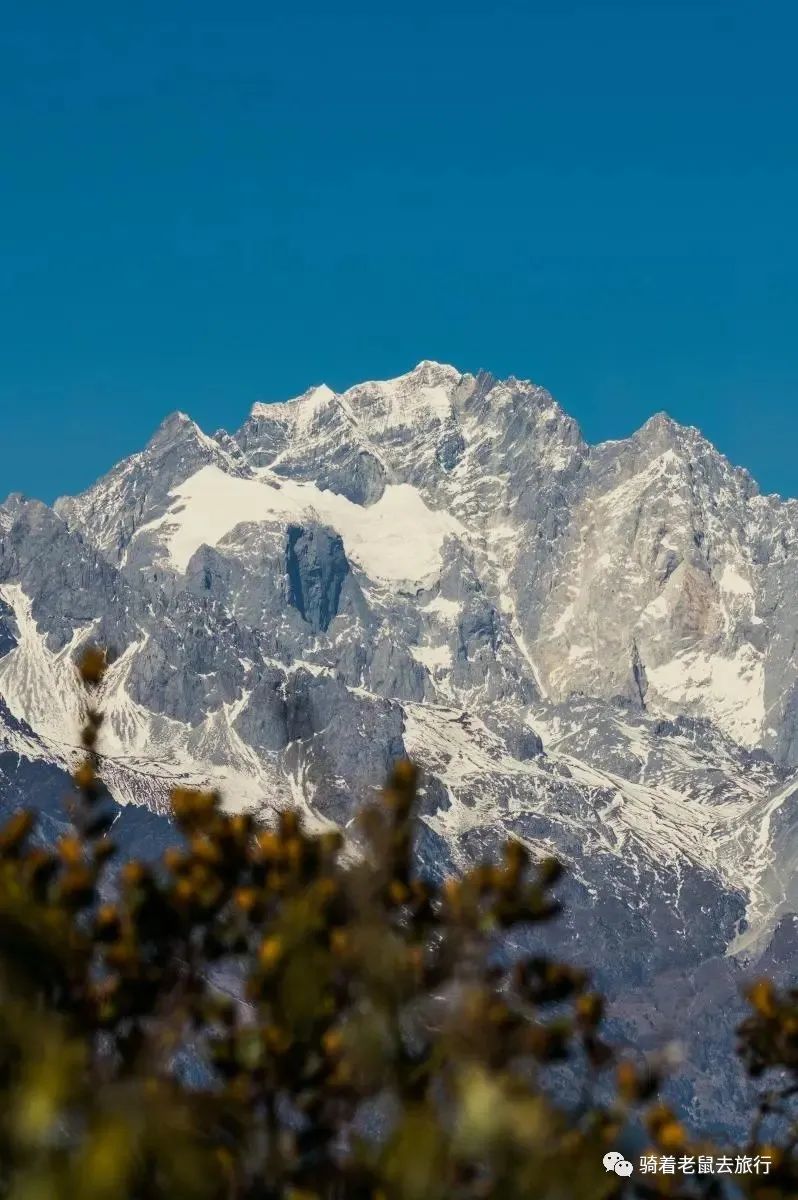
235 200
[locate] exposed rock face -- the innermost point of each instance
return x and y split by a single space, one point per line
317 567
590 648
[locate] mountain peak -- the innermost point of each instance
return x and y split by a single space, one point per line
428 372
10 509
313 397
661 428
13 501
319 392
176 424
662 420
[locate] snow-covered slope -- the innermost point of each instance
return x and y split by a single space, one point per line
397 539
589 648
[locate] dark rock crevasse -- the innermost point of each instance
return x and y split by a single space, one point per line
317 567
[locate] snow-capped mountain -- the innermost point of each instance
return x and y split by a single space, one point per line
592 649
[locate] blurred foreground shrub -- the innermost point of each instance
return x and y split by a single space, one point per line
262 1016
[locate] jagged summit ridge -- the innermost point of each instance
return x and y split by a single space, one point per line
553 528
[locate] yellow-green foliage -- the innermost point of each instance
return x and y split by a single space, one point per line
362 989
